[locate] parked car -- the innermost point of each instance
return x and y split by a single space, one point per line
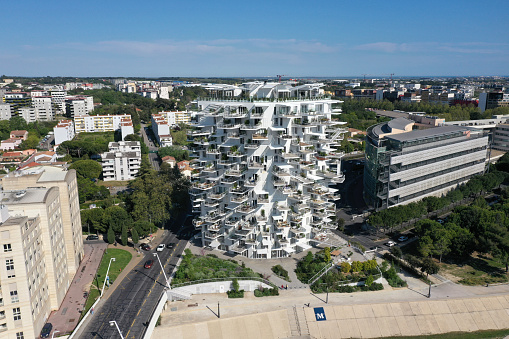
149 263
403 238
440 221
160 248
46 330
390 243
93 237
170 245
146 247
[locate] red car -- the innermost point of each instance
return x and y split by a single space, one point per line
149 263
146 247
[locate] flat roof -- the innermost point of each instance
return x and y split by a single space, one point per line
30 196
426 133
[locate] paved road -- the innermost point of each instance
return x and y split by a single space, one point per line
132 303
152 157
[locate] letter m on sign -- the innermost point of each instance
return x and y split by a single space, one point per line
319 314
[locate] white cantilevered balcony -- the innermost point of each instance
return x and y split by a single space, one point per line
245 209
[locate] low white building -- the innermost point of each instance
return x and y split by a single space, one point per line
64 131
122 161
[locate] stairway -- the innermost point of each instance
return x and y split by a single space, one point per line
297 321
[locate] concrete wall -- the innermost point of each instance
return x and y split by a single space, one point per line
219 287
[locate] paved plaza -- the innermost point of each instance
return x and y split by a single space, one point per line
358 315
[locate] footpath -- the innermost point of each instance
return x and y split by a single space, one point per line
65 319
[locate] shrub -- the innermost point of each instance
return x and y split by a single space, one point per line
265 292
281 272
393 279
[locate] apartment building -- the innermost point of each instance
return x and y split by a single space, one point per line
63 131
44 107
65 181
5 111
78 105
405 165
493 100
24 291
36 268
30 114
174 118
99 123
17 100
161 129
58 99
262 174
122 161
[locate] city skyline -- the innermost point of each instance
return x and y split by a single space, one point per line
228 39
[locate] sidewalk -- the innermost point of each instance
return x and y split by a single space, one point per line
68 315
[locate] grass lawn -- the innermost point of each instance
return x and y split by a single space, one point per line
195 267
490 334
122 258
476 270
112 183
88 136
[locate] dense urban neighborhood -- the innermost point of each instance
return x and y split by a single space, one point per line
136 206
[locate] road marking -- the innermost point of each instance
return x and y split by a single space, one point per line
137 314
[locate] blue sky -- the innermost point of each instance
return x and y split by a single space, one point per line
254 38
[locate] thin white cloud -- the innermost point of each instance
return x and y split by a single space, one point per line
430 47
219 46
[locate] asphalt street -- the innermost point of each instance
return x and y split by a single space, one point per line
152 157
131 305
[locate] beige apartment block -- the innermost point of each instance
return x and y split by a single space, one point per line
65 180
45 203
24 293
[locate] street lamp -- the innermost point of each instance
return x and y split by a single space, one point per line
114 323
106 278
53 335
162 268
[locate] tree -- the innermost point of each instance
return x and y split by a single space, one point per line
341 224
235 285
134 236
111 236
123 238
429 266
116 217
89 169
17 123
345 267
369 280
31 142
396 251
327 255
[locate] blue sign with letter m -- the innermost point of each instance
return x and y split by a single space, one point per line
319 314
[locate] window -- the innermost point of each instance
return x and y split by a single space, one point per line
9 263
7 248
16 312
14 297
19 335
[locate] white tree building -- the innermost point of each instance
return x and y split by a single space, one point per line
263 171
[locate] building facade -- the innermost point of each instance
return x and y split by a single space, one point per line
36 272
161 129
99 123
122 161
405 165
65 181
25 293
78 105
262 174
63 131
